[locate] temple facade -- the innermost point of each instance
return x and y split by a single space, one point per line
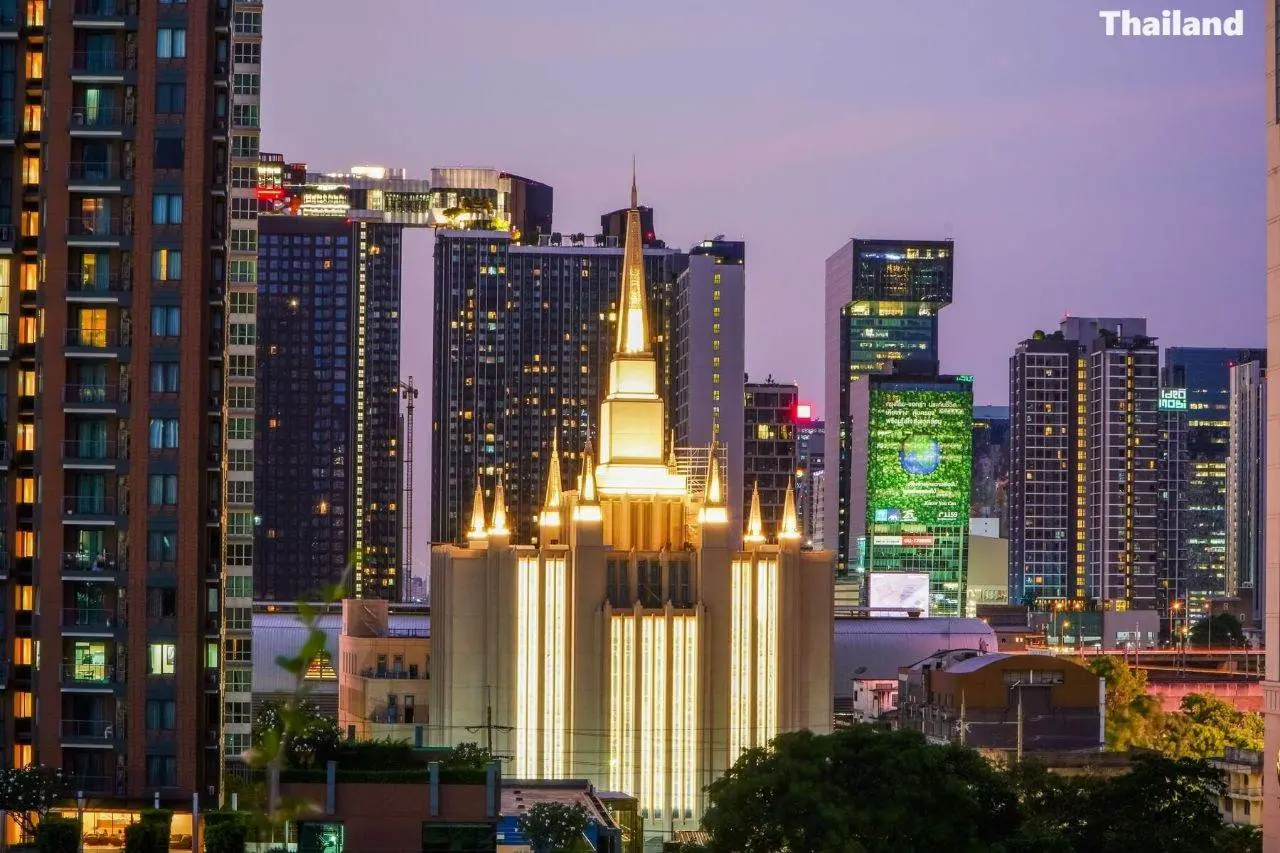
632 647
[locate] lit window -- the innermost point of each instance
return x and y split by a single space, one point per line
161 658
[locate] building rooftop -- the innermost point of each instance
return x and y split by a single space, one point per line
518 795
874 649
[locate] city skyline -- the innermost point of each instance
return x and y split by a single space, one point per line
1091 118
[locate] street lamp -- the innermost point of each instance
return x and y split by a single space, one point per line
80 818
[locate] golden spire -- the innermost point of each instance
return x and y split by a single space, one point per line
635 203
499 524
790 525
588 494
477 513
755 526
633 319
671 456
715 492
553 500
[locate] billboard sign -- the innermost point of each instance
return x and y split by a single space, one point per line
920 457
1173 399
898 593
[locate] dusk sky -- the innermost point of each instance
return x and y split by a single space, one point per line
1077 173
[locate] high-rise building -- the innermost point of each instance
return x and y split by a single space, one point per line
1047 452
769 445
1172 598
1245 483
988 497
327 420
614 224
640 646
522 341
113 214
708 354
1271 678
912 468
810 450
882 304
235 447
1204 375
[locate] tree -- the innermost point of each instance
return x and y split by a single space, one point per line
225 831
1239 839
56 834
468 757
27 794
1207 727
313 737
554 827
1134 717
1220 629
860 789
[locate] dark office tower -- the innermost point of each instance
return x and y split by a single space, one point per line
614 225
113 190
489 199
768 447
1047 458
523 335
988 498
1203 378
810 447
328 415
1246 494
1172 509
882 304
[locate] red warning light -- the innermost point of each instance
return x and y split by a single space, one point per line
804 412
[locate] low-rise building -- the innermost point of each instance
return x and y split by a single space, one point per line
1241 802
1018 702
384 676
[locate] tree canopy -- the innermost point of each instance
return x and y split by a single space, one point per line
554 827
1220 629
860 790
28 793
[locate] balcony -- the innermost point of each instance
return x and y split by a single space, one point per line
89 677
79 566
81 509
101 733
96 785
96 175
98 399
98 65
411 673
7 236
89 621
105 231
105 343
103 13
100 455
99 121
107 289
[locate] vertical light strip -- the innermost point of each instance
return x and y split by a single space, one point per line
627 676
693 735
646 714
766 652
528 658
740 660
553 678
658 666
616 675
678 730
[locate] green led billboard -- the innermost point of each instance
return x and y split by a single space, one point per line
919 457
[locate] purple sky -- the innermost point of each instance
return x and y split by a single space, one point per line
1077 173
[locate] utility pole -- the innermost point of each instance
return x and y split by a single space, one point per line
409 393
488 725
1018 687
962 718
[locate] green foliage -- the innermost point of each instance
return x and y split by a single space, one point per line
307 736
859 789
554 827
56 834
1218 630
28 793
1204 727
1239 839
225 831
466 763
150 834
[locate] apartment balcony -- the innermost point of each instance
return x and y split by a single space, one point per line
8 234
97 176
95 455
91 678
104 13
109 232
410 674
90 622
100 289
93 399
97 785
88 568
99 66
89 510
99 122
103 734
94 343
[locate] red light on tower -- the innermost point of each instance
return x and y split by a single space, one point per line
804 412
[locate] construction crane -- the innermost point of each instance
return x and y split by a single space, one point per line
408 393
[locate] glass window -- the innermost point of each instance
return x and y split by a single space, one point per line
166 209
161 658
165 321
163 434
166 265
171 43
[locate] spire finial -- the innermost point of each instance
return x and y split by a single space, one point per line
633 319
635 197
554 488
755 524
715 490
477 530
588 494
790 528
499 523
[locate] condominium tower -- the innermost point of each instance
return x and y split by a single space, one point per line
769 437
113 226
1246 498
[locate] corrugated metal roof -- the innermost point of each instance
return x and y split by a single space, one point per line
974 664
875 649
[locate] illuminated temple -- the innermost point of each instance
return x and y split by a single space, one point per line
633 647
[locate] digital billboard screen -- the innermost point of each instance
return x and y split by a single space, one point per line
920 459
898 593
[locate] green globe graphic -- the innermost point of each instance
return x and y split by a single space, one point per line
920 455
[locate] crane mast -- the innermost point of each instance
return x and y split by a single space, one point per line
408 393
